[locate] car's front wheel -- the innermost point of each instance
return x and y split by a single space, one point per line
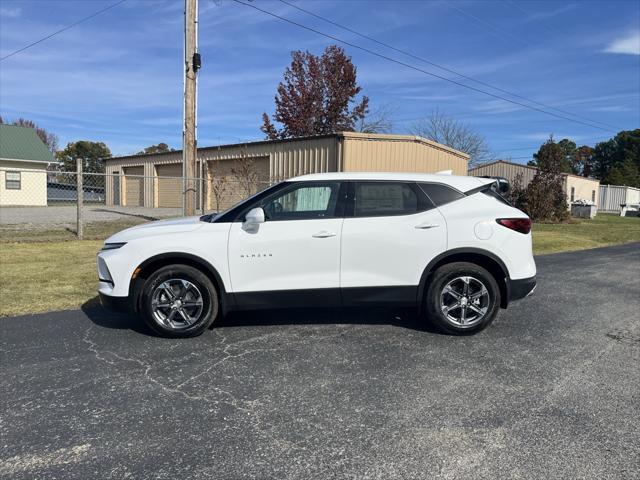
179 301
462 298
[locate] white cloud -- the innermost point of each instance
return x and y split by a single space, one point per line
10 12
629 44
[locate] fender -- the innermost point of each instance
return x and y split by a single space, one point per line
226 300
503 282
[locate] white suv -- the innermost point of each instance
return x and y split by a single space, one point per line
449 245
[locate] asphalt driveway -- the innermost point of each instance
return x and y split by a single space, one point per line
551 390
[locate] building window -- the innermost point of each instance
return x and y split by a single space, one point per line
12 181
573 194
593 196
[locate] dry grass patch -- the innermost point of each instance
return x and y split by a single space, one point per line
42 277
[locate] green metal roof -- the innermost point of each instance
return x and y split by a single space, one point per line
22 143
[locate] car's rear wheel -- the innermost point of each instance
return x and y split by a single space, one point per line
462 298
179 301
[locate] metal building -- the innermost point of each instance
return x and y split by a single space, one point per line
575 187
150 180
612 197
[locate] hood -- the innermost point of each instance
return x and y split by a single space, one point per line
158 227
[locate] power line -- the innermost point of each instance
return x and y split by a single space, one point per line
446 69
487 24
89 17
418 69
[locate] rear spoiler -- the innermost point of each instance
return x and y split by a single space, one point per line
501 184
498 188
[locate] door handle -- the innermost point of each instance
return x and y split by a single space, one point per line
426 225
323 234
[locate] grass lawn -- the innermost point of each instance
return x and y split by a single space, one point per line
40 276
46 276
55 233
601 231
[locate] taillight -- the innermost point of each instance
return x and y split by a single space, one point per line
522 225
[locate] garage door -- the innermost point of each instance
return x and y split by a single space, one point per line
169 185
134 190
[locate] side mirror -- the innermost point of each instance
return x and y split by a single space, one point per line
254 217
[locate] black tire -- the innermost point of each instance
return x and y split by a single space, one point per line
170 276
479 277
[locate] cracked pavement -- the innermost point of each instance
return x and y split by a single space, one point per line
550 390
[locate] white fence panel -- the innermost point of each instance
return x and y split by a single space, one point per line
612 196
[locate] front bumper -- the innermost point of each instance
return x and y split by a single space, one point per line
119 304
520 288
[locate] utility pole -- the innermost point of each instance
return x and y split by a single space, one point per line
189 130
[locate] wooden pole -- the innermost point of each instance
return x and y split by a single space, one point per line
189 136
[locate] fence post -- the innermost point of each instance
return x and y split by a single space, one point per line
79 198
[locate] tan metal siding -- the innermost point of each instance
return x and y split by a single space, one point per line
506 170
225 189
169 185
405 155
134 186
148 163
280 160
284 159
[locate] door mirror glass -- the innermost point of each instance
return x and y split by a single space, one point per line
255 216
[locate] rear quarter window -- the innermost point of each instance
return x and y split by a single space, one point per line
441 194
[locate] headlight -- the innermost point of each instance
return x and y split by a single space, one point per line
112 246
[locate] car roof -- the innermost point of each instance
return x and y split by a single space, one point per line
461 183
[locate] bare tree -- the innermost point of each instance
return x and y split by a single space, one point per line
218 184
378 121
448 131
246 173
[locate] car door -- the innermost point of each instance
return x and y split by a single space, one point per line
293 258
391 231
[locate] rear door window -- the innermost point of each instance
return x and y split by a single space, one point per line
376 199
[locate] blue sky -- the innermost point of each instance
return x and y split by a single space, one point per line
117 78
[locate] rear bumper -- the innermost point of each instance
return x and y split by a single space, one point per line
118 304
521 288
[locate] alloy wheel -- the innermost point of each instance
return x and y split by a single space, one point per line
177 304
464 301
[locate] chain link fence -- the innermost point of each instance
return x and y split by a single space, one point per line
45 205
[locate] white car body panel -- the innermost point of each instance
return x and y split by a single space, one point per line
205 240
381 251
285 255
513 248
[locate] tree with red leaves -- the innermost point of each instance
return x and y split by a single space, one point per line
315 96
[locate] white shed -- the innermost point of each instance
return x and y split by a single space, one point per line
613 196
